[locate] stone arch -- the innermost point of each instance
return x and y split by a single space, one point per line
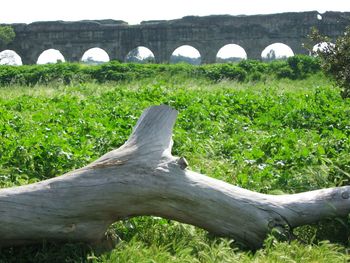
231 53
140 54
276 50
10 57
49 56
187 54
95 55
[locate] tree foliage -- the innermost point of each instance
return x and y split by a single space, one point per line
335 59
7 34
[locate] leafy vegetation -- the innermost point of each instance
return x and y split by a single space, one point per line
335 58
7 34
297 67
273 136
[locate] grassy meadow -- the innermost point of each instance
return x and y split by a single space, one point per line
271 135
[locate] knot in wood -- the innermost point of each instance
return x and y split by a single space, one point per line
182 162
69 228
345 195
271 224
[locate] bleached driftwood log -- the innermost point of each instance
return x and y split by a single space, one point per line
143 178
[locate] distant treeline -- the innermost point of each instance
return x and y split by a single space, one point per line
297 67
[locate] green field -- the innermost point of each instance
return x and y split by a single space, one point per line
270 135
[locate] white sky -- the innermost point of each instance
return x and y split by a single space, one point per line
135 11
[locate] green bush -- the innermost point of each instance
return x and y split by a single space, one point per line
297 67
7 34
253 66
335 59
42 74
219 72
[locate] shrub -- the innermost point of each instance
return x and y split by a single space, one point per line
219 72
253 66
335 59
297 67
7 34
248 70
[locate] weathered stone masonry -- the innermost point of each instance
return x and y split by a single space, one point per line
207 34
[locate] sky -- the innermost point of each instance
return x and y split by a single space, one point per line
135 11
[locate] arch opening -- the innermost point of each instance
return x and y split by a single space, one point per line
140 54
231 53
186 54
50 56
323 47
10 57
276 51
95 56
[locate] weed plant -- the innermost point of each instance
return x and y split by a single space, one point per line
273 136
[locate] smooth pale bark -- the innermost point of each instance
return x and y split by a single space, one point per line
143 178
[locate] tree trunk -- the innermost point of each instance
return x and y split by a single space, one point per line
143 178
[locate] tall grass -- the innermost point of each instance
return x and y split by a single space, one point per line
277 136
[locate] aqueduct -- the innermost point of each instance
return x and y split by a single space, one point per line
207 34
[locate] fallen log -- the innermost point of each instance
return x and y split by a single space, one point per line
143 178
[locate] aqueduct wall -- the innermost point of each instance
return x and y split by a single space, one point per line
207 34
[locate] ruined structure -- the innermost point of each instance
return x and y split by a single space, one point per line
206 34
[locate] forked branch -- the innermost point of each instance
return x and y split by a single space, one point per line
143 178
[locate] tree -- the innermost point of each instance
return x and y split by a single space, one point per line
335 59
7 34
143 178
135 56
185 59
271 55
